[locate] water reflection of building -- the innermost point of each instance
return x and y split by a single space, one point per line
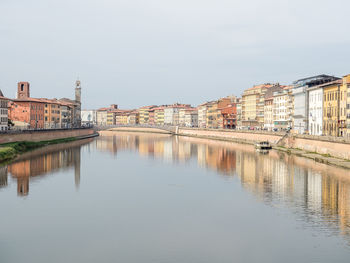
44 161
3 176
315 191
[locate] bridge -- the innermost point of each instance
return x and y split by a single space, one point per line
164 128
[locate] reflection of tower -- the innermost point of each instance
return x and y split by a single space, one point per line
23 185
76 158
3 176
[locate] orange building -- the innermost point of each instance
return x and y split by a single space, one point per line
229 116
27 113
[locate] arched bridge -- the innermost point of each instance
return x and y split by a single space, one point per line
163 128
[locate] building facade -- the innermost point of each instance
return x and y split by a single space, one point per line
101 116
202 115
229 116
144 114
269 107
133 117
315 110
281 113
27 113
212 115
171 113
268 113
159 115
191 117
3 112
331 108
52 114
301 100
346 83
253 103
66 115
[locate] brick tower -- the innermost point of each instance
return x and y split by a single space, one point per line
23 90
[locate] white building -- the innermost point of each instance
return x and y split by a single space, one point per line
202 115
89 117
171 113
281 114
315 110
191 118
268 113
300 109
301 100
3 113
101 116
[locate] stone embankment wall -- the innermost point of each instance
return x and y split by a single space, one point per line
333 147
237 136
36 136
336 147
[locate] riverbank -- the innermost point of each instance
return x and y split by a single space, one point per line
43 135
333 151
9 151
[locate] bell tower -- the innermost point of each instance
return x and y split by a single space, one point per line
23 90
77 118
78 91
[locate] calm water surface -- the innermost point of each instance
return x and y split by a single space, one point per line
129 197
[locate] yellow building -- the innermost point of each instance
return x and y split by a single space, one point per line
121 117
124 118
133 118
332 96
52 114
346 87
342 106
144 114
212 115
111 117
159 116
253 106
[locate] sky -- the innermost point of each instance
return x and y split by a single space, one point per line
153 52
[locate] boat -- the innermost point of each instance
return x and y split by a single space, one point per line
264 145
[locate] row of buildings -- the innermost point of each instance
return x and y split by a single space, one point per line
214 114
318 105
25 112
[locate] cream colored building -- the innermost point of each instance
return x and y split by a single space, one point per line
281 110
101 116
268 113
159 116
253 106
191 118
202 115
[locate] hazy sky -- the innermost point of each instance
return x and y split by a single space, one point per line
141 52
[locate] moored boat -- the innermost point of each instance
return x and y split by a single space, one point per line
264 145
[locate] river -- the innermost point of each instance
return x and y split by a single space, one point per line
142 197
